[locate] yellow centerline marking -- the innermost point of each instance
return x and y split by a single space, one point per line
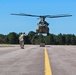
47 63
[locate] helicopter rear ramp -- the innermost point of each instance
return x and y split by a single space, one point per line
30 61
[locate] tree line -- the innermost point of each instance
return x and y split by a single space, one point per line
33 38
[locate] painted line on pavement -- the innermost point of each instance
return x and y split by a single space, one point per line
48 70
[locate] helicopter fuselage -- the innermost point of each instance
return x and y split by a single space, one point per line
42 26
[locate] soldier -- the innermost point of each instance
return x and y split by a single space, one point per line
21 40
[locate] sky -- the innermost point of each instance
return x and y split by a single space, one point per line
11 23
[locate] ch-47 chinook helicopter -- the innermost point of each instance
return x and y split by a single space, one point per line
42 26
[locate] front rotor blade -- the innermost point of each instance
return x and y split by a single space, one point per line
58 16
22 14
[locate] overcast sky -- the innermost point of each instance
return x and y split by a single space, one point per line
9 23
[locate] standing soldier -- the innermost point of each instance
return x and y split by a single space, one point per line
21 40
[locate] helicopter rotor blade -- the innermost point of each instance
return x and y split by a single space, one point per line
22 14
58 16
44 16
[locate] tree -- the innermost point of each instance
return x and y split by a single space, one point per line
64 39
31 34
27 40
13 38
33 38
61 39
68 39
6 40
48 39
73 40
2 38
40 39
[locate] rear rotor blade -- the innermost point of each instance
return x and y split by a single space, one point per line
58 16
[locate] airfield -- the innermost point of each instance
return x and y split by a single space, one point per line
31 60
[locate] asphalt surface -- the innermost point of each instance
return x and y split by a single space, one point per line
30 61
62 59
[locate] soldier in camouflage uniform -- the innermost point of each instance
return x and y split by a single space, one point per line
21 40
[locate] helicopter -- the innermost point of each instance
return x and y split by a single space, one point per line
42 26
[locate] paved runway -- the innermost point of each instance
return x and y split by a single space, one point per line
30 61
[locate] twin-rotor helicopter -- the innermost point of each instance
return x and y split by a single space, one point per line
42 26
